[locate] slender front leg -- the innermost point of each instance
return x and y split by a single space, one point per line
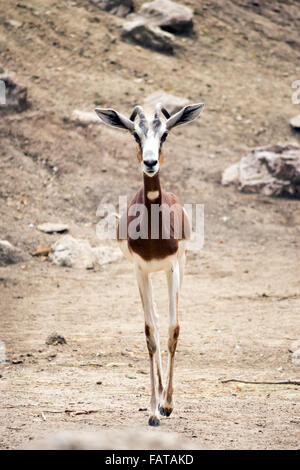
144 284
173 276
158 354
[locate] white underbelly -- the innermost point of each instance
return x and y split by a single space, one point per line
154 265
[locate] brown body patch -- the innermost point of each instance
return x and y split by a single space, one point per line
179 229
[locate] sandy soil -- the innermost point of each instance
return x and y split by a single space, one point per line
239 307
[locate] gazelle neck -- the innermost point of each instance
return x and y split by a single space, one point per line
152 188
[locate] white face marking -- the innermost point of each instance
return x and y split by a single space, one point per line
152 195
150 138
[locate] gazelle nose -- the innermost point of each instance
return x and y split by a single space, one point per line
150 163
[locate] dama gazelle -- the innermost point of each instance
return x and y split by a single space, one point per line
158 252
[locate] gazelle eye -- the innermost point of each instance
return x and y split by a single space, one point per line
164 136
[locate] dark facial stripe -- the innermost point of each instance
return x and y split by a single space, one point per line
143 126
164 136
137 139
156 125
162 139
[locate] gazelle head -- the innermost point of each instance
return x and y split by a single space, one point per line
150 132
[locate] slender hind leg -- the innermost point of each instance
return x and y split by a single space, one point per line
151 333
173 276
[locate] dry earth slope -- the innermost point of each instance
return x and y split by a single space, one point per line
240 302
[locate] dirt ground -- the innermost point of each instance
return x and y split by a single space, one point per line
240 302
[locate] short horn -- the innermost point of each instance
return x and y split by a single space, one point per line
159 108
137 110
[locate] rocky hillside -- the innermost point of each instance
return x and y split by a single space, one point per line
240 59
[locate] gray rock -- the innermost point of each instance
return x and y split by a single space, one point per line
155 21
296 357
168 15
171 102
15 95
231 175
295 122
53 228
272 171
68 251
76 253
116 7
295 345
85 117
148 35
9 254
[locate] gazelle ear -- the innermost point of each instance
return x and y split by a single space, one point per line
114 119
185 115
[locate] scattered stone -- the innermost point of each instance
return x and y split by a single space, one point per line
69 251
10 254
76 253
168 15
172 103
295 122
53 356
42 250
53 228
116 364
54 339
296 357
148 35
15 95
116 7
294 346
14 23
272 171
84 117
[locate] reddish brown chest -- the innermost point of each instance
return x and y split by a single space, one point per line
154 227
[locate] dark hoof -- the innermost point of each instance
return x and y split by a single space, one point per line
153 421
165 411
